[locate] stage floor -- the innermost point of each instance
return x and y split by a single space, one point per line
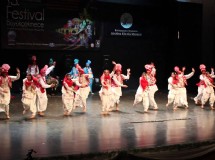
91 132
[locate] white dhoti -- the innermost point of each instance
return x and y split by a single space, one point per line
5 101
42 100
117 93
142 96
200 94
81 97
181 97
208 94
106 96
67 99
29 101
151 92
171 96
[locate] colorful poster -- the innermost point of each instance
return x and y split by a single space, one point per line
33 24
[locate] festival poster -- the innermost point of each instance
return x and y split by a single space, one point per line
31 24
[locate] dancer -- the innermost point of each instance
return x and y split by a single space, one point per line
33 68
172 87
208 91
117 84
68 94
29 95
42 99
150 76
74 71
201 84
105 93
181 83
88 70
82 81
142 93
5 86
52 78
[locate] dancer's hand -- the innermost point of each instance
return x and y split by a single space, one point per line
183 69
52 85
17 70
124 86
193 70
5 91
33 86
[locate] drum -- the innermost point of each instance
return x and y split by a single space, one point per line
51 80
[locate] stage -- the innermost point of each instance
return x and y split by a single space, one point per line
91 132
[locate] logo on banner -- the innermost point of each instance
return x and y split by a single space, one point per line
127 29
126 20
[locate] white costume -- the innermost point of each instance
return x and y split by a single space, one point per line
88 70
5 85
208 92
142 93
82 81
181 96
106 93
150 76
33 69
29 96
42 99
201 85
83 91
68 95
172 87
117 84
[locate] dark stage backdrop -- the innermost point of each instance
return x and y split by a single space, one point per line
148 38
130 34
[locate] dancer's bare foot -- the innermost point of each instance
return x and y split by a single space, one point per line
65 113
202 107
7 116
107 113
212 108
103 112
175 108
24 112
134 104
196 101
41 113
32 116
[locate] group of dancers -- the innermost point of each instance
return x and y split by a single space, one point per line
177 83
34 97
77 85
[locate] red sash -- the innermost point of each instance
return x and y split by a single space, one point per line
144 83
